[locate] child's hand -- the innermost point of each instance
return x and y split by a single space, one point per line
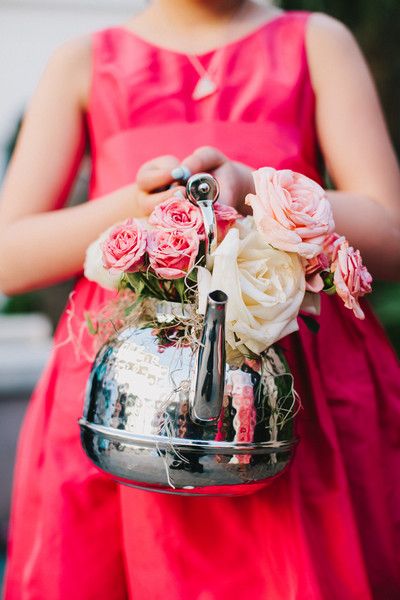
153 176
235 178
156 173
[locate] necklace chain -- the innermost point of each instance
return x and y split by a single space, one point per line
205 85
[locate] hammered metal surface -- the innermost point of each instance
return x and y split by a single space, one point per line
137 426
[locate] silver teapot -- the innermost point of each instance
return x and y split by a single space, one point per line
188 420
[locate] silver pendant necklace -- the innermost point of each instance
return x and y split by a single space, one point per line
206 86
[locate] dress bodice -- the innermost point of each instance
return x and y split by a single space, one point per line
141 105
328 527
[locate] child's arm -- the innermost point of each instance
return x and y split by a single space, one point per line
39 244
356 146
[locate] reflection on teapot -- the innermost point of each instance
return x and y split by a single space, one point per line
181 417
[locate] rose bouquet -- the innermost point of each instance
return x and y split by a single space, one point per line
271 265
206 397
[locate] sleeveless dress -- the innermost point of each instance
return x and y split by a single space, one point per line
327 528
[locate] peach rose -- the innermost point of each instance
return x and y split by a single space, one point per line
351 278
177 213
172 254
125 248
330 246
225 216
291 211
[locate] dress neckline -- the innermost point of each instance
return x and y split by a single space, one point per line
254 32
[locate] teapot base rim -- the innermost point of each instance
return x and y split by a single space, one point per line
195 445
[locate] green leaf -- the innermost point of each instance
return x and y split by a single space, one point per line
330 291
93 329
192 275
153 285
311 323
327 278
123 284
180 288
134 280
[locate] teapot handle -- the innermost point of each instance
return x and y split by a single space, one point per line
202 190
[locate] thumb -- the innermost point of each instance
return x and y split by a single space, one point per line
205 158
156 173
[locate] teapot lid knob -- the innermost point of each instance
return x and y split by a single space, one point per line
201 187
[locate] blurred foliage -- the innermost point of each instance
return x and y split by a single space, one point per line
23 303
386 304
376 26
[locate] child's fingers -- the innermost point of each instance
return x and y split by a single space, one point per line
205 158
156 173
150 201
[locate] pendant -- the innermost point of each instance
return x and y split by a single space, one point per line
204 87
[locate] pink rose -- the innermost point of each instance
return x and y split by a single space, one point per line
314 267
350 276
291 211
125 247
172 254
177 213
225 216
330 246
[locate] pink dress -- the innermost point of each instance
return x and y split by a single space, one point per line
326 529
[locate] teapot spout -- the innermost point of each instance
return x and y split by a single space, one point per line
208 391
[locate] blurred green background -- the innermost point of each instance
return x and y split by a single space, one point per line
376 25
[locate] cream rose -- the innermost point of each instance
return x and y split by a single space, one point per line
94 269
265 289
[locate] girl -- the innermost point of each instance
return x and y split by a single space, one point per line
224 86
